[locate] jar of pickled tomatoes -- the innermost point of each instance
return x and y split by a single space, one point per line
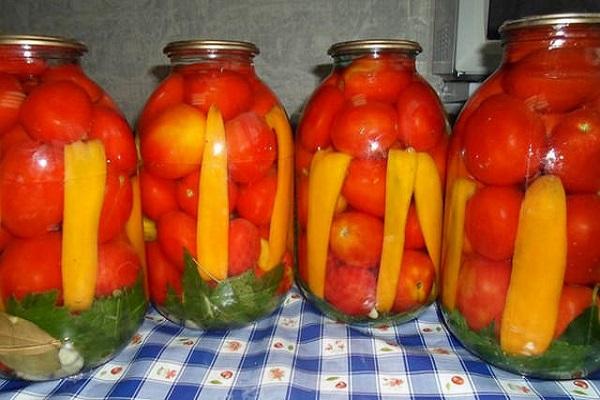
216 185
521 261
71 245
370 163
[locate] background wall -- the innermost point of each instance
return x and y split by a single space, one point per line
126 37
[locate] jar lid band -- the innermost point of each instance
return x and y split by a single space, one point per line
210 45
361 46
43 41
551 19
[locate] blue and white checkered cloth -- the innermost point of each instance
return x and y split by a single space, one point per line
297 353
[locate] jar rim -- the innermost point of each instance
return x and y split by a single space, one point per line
43 41
210 45
360 46
550 19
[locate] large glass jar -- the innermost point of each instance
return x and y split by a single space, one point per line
71 244
521 261
370 162
216 186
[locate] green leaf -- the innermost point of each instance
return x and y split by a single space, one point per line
585 329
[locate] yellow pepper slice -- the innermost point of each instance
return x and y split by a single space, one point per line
462 190
538 268
212 234
399 185
326 177
278 230
134 228
85 178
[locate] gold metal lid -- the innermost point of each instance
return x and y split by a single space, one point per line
551 19
43 41
361 46
210 45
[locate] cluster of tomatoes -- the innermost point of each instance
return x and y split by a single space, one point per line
172 145
539 114
363 109
42 109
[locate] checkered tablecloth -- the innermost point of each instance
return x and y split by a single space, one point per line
297 353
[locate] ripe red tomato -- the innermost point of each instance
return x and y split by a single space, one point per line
31 179
481 292
73 73
228 90
574 151
356 239
14 135
255 200
11 98
350 289
5 237
504 141
413 236
114 132
162 274
263 99
583 239
364 187
244 246
421 117
417 275
168 93
491 221
365 130
186 192
318 116
118 267
57 112
176 231
31 266
573 301
158 195
116 207
251 147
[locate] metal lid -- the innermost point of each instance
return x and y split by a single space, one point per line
43 41
210 45
361 46
551 19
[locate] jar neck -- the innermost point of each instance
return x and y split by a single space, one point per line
186 61
400 60
14 56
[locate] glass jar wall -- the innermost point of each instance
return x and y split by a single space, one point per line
370 164
521 260
216 186
71 244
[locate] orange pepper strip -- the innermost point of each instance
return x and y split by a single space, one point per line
538 268
134 228
85 178
326 177
399 184
212 233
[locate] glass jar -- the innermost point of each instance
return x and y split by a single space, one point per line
216 186
370 162
521 261
71 244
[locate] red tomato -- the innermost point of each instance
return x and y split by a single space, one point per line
481 292
158 195
176 231
302 200
583 239
161 274
251 147
118 267
263 99
255 200
107 102
244 246
186 192
574 154
413 237
318 115
417 275
11 98
573 301
32 176
491 221
31 266
73 73
350 289
356 239
114 132
57 112
376 79
5 237
421 117
302 159
116 208
364 187
168 93
228 90
365 130
14 135
503 142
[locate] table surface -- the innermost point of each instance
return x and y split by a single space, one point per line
298 353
